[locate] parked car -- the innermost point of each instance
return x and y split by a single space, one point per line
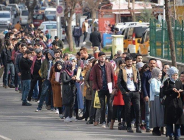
50 11
50 17
2 7
5 18
52 25
42 10
24 17
8 8
16 8
38 19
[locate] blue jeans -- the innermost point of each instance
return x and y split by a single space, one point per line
170 132
79 96
35 91
9 67
147 113
46 86
26 85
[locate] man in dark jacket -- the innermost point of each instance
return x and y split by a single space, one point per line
129 83
146 90
6 57
77 33
95 38
119 57
102 80
25 66
58 42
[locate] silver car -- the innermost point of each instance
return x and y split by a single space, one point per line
24 17
5 18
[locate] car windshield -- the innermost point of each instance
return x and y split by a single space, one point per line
42 8
4 15
50 12
51 17
39 17
139 31
53 26
25 13
13 6
7 8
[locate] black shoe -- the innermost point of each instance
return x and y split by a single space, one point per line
148 130
176 138
171 138
138 130
26 104
130 130
89 122
12 86
156 133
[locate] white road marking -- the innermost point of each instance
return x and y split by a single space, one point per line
4 138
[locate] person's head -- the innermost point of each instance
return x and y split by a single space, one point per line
50 55
86 20
134 62
166 68
23 48
65 56
173 73
27 54
156 73
115 56
17 22
119 53
78 55
38 53
145 68
9 45
58 66
139 65
152 63
95 29
182 77
117 30
30 45
56 38
159 64
77 24
128 61
124 55
84 53
36 46
56 54
41 37
101 57
139 58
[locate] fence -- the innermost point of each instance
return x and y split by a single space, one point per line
159 40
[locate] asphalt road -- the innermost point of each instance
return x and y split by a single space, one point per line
23 123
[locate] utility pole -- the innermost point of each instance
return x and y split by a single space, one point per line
133 10
59 24
170 32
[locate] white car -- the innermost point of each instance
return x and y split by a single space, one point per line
24 17
50 11
15 6
51 27
5 18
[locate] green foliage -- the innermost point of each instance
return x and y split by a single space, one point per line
145 15
107 49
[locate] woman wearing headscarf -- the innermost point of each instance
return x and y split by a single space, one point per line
55 80
68 82
156 109
173 90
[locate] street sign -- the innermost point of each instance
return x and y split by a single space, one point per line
78 8
60 11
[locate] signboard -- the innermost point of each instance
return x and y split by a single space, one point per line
78 8
60 11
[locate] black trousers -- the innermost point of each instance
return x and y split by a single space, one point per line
102 95
77 41
34 80
117 112
68 111
134 98
85 36
88 106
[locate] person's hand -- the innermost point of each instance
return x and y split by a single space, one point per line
180 90
175 90
73 78
146 99
19 74
178 95
97 90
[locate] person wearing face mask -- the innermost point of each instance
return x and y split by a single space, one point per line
173 89
156 109
55 80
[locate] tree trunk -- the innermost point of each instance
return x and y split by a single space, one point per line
129 8
93 16
30 18
133 10
70 37
171 38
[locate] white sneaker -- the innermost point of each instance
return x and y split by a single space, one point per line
67 120
57 111
104 125
38 101
80 113
73 119
61 116
84 43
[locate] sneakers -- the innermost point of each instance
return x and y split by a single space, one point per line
148 130
48 107
130 130
37 110
26 104
104 125
142 127
73 119
67 120
61 116
6 87
16 89
95 123
138 130
57 111
80 113
89 122
84 43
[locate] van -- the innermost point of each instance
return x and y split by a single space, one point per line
24 17
132 37
50 11
5 18
38 19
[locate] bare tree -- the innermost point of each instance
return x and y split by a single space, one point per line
171 38
131 9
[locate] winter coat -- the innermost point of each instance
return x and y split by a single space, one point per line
34 60
56 88
89 89
68 89
77 31
4 56
95 38
17 61
173 105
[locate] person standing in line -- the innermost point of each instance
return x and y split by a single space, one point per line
95 38
173 89
85 27
146 90
129 83
77 33
156 108
25 66
139 58
103 82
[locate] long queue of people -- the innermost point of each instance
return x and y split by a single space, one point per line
99 90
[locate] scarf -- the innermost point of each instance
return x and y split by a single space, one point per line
171 72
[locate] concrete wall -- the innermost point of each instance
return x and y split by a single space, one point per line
164 61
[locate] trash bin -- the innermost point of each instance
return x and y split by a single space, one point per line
117 44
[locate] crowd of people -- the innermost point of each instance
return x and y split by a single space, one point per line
101 91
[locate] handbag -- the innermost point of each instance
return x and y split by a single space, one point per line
97 101
115 92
